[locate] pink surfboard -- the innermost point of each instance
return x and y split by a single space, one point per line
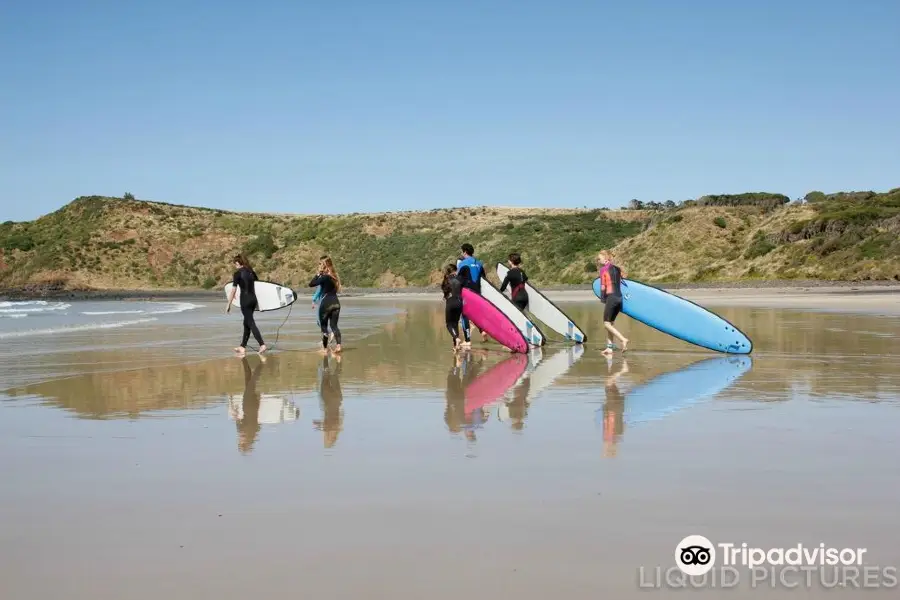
493 383
492 321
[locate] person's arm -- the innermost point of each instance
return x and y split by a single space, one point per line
317 280
506 282
317 294
234 289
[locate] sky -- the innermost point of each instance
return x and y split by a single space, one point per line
352 106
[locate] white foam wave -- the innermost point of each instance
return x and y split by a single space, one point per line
14 315
73 328
176 307
35 306
94 313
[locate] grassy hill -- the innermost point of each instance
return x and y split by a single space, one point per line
121 243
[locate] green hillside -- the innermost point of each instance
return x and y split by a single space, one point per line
121 243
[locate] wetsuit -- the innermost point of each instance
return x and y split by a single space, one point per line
244 279
517 278
611 292
329 307
453 306
475 271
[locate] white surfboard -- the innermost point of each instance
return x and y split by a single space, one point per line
270 296
531 332
545 311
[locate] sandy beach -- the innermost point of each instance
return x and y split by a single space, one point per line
142 460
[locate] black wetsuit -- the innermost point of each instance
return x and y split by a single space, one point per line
329 307
611 293
452 289
244 279
517 278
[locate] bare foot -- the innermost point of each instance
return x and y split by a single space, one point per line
337 349
484 337
240 350
624 345
323 351
263 348
607 352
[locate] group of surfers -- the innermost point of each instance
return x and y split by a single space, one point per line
467 272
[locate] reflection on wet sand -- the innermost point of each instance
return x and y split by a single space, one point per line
664 394
252 408
466 367
331 400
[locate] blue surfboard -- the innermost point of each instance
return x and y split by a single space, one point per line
680 318
673 391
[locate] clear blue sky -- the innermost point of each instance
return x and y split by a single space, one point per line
398 104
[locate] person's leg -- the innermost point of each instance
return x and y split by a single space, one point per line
466 330
333 323
323 325
246 335
254 329
521 303
452 313
610 312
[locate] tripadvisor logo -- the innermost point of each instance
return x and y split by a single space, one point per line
695 555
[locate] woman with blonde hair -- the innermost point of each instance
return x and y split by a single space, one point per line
329 305
611 295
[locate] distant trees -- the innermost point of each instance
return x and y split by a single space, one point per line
814 197
128 196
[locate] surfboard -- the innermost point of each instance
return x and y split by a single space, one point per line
505 305
493 321
270 296
680 318
676 390
543 309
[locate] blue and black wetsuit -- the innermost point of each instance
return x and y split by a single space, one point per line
244 279
470 272
329 307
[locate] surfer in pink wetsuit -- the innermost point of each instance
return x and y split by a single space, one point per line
611 295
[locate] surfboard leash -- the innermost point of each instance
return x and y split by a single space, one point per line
278 331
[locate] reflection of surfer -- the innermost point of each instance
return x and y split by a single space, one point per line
460 375
613 412
248 424
332 398
518 408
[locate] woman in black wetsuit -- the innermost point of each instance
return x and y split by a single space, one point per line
517 278
243 279
452 290
329 305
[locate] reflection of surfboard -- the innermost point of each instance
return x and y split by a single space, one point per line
680 318
272 409
543 376
544 310
493 384
493 321
679 389
270 296
525 325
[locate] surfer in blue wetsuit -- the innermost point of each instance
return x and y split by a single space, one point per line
451 287
516 278
244 279
611 296
473 282
329 305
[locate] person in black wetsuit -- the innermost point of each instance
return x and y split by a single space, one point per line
452 290
517 278
329 305
243 279
611 295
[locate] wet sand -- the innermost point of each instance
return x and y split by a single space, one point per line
402 471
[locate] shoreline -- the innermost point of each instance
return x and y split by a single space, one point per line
562 292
